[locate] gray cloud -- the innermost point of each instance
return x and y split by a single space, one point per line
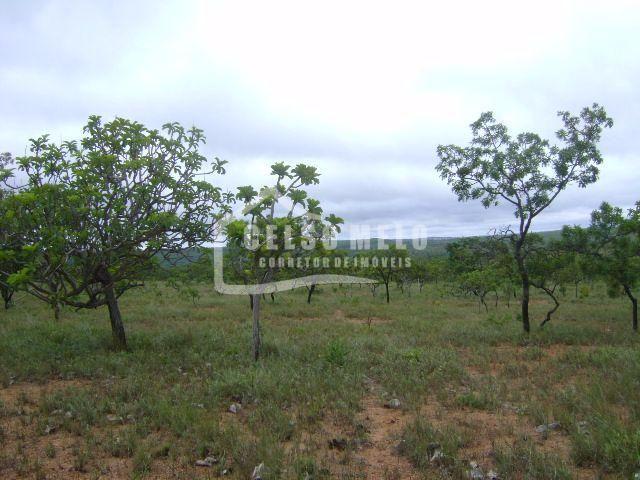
364 92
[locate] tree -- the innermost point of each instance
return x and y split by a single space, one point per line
420 272
8 238
526 172
385 265
95 214
271 233
612 243
478 265
551 264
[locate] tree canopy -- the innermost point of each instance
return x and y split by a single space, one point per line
93 213
525 171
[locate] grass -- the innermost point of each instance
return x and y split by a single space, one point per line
458 372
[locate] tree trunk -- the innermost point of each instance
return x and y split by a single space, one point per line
56 311
634 306
311 290
551 293
256 327
117 327
524 276
7 294
525 304
386 286
486 307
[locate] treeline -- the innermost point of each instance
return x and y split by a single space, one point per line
84 222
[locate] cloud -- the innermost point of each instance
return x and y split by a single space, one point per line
365 91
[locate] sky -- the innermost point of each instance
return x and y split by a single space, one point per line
365 91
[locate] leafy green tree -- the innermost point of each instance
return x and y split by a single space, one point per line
612 243
478 266
419 271
551 265
437 269
94 214
526 172
9 241
385 265
271 232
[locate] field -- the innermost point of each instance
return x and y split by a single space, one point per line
463 385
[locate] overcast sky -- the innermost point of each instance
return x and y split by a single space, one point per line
363 90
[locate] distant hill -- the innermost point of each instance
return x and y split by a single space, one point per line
436 247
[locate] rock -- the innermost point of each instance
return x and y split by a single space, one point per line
225 471
197 405
131 418
207 462
257 472
113 418
542 429
492 475
235 407
433 446
393 403
49 429
68 414
57 412
476 472
437 458
338 443
545 428
583 427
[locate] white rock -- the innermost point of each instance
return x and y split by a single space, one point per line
393 403
437 457
207 462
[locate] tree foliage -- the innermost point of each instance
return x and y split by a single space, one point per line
525 171
94 213
280 223
612 244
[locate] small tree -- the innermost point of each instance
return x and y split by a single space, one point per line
9 240
419 271
551 265
385 265
526 172
478 265
612 242
270 232
94 214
